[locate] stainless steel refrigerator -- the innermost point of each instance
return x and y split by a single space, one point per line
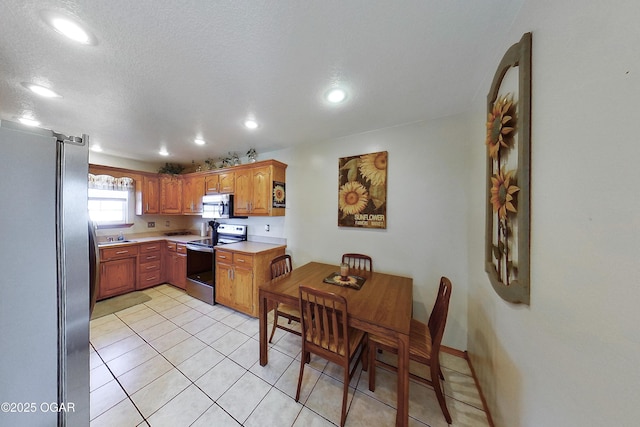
45 278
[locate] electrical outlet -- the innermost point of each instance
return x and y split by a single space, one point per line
167 223
151 224
266 227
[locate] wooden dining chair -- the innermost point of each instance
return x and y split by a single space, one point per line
280 266
424 346
358 261
325 332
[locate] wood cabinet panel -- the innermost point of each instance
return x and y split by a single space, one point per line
193 188
170 194
150 264
175 264
124 251
148 195
238 275
226 182
254 189
242 195
117 276
220 183
242 293
224 284
261 197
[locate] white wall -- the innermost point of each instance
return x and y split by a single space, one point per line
121 162
426 210
571 357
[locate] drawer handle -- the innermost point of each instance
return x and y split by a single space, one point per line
222 257
150 248
240 260
151 278
152 257
122 252
151 267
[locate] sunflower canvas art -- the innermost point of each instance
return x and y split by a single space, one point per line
362 191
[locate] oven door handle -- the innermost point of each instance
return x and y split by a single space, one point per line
199 248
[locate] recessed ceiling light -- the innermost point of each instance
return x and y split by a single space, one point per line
41 90
250 124
163 152
199 141
68 27
29 121
336 95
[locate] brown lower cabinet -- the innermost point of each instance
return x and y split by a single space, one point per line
150 264
175 263
129 267
117 270
239 273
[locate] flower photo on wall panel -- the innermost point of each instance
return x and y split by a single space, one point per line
362 191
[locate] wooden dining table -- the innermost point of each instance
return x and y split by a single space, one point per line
382 306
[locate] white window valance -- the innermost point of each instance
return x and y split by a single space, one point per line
108 182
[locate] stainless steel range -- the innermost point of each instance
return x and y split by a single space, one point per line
200 259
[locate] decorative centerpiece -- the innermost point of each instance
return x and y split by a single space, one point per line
344 271
343 278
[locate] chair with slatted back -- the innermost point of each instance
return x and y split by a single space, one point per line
358 262
280 266
424 346
325 332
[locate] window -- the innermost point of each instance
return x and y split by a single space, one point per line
111 201
109 207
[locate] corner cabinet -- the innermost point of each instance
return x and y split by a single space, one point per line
239 273
255 193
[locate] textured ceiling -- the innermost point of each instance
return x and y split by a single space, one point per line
165 71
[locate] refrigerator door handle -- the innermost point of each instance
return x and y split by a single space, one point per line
94 267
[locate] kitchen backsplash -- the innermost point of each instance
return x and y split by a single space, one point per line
161 224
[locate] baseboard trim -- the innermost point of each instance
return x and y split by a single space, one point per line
475 379
454 351
463 354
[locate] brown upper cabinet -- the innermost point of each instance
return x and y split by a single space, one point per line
220 183
148 195
170 194
255 193
192 192
259 189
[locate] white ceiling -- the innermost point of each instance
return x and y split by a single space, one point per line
166 71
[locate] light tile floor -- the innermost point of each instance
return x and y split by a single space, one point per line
176 361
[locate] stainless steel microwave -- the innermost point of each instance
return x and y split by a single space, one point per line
218 206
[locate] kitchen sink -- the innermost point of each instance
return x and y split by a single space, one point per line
115 242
